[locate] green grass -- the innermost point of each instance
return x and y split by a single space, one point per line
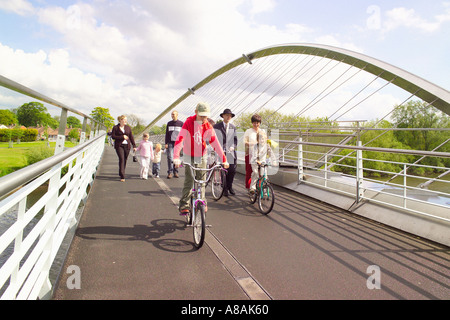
12 159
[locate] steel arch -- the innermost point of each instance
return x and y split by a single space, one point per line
427 91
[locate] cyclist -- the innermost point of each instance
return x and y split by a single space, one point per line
255 140
196 131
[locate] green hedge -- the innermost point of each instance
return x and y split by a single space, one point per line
25 135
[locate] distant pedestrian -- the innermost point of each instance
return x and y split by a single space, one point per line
172 131
123 140
156 161
146 155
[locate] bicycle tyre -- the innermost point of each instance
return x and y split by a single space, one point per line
198 225
267 201
217 184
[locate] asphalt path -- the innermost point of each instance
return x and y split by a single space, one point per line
131 243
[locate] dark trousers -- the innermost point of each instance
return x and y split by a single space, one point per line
122 152
231 171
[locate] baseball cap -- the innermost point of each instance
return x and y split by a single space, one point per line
203 109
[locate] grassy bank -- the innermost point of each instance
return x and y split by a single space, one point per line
15 158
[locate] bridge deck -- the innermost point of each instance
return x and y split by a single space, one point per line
132 244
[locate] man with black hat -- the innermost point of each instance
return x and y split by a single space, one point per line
226 134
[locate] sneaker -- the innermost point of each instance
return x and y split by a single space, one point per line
157 176
169 176
184 212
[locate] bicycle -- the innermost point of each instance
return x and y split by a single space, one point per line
264 191
218 180
196 216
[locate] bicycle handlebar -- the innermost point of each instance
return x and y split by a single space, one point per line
202 169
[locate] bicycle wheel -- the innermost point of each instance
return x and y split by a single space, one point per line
266 198
199 225
217 183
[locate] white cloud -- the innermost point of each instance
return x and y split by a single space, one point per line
260 6
20 7
409 18
140 58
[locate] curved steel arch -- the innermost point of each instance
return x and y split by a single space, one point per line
427 91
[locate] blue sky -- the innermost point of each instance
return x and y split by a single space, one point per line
138 56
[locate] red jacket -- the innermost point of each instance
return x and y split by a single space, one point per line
192 139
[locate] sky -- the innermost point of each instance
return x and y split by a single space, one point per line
139 56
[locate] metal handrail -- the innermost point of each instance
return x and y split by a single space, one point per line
20 177
38 248
402 151
15 86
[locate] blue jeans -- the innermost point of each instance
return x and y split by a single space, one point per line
155 168
170 166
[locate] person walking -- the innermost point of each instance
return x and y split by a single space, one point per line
226 133
196 131
123 140
157 161
146 155
172 131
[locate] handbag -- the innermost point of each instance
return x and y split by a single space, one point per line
135 158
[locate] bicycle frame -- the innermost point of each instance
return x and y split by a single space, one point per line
197 219
200 184
262 178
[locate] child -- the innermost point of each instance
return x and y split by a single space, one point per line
146 154
157 161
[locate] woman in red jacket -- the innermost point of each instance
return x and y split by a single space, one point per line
123 140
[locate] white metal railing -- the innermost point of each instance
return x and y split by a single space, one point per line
317 164
29 254
31 234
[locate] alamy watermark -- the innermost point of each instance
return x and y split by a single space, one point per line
373 22
74 280
374 280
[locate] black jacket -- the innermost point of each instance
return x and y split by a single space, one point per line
227 141
172 131
117 135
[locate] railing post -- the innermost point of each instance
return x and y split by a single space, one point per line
300 159
83 131
61 132
404 185
14 283
326 170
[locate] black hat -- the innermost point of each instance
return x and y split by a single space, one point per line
227 111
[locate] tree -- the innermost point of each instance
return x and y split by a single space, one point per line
73 122
417 114
48 120
103 116
7 117
31 114
74 134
